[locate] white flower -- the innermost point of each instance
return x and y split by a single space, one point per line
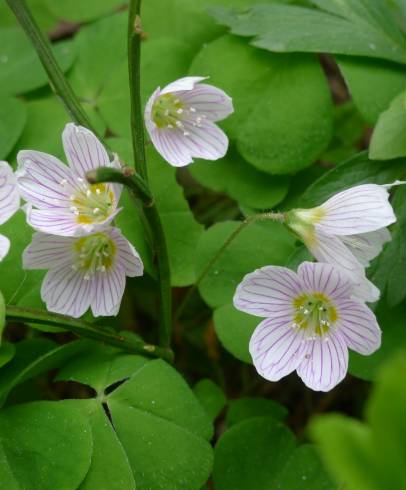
60 201
348 230
9 202
180 121
84 272
311 320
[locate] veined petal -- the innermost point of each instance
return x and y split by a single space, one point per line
208 100
171 147
109 290
83 150
360 209
357 325
47 221
367 246
331 250
276 348
65 291
206 141
4 246
43 180
185 83
128 258
325 363
325 278
9 195
48 251
268 292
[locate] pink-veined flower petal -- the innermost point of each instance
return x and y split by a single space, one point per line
83 150
170 146
65 291
128 258
206 141
360 209
43 179
358 327
276 348
185 83
48 251
109 290
4 246
367 246
325 363
62 223
208 100
331 250
9 195
268 292
325 278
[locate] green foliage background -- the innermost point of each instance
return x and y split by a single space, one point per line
319 89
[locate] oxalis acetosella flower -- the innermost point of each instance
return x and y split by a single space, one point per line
88 271
348 230
311 320
9 202
60 201
181 117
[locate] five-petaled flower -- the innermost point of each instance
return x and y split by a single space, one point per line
348 230
181 117
311 319
87 271
60 201
9 202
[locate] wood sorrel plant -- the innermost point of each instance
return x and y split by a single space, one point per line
97 324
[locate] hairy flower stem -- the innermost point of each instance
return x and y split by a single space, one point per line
151 212
280 217
87 330
57 79
134 58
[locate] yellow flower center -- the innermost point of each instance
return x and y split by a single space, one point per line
167 111
92 203
315 314
94 253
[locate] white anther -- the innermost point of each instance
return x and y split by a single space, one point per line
170 126
198 120
192 109
321 308
98 192
306 311
179 111
79 179
179 124
64 182
185 133
88 193
102 268
167 112
96 210
87 277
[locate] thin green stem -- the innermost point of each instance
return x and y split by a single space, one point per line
134 62
87 330
57 79
150 211
250 219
